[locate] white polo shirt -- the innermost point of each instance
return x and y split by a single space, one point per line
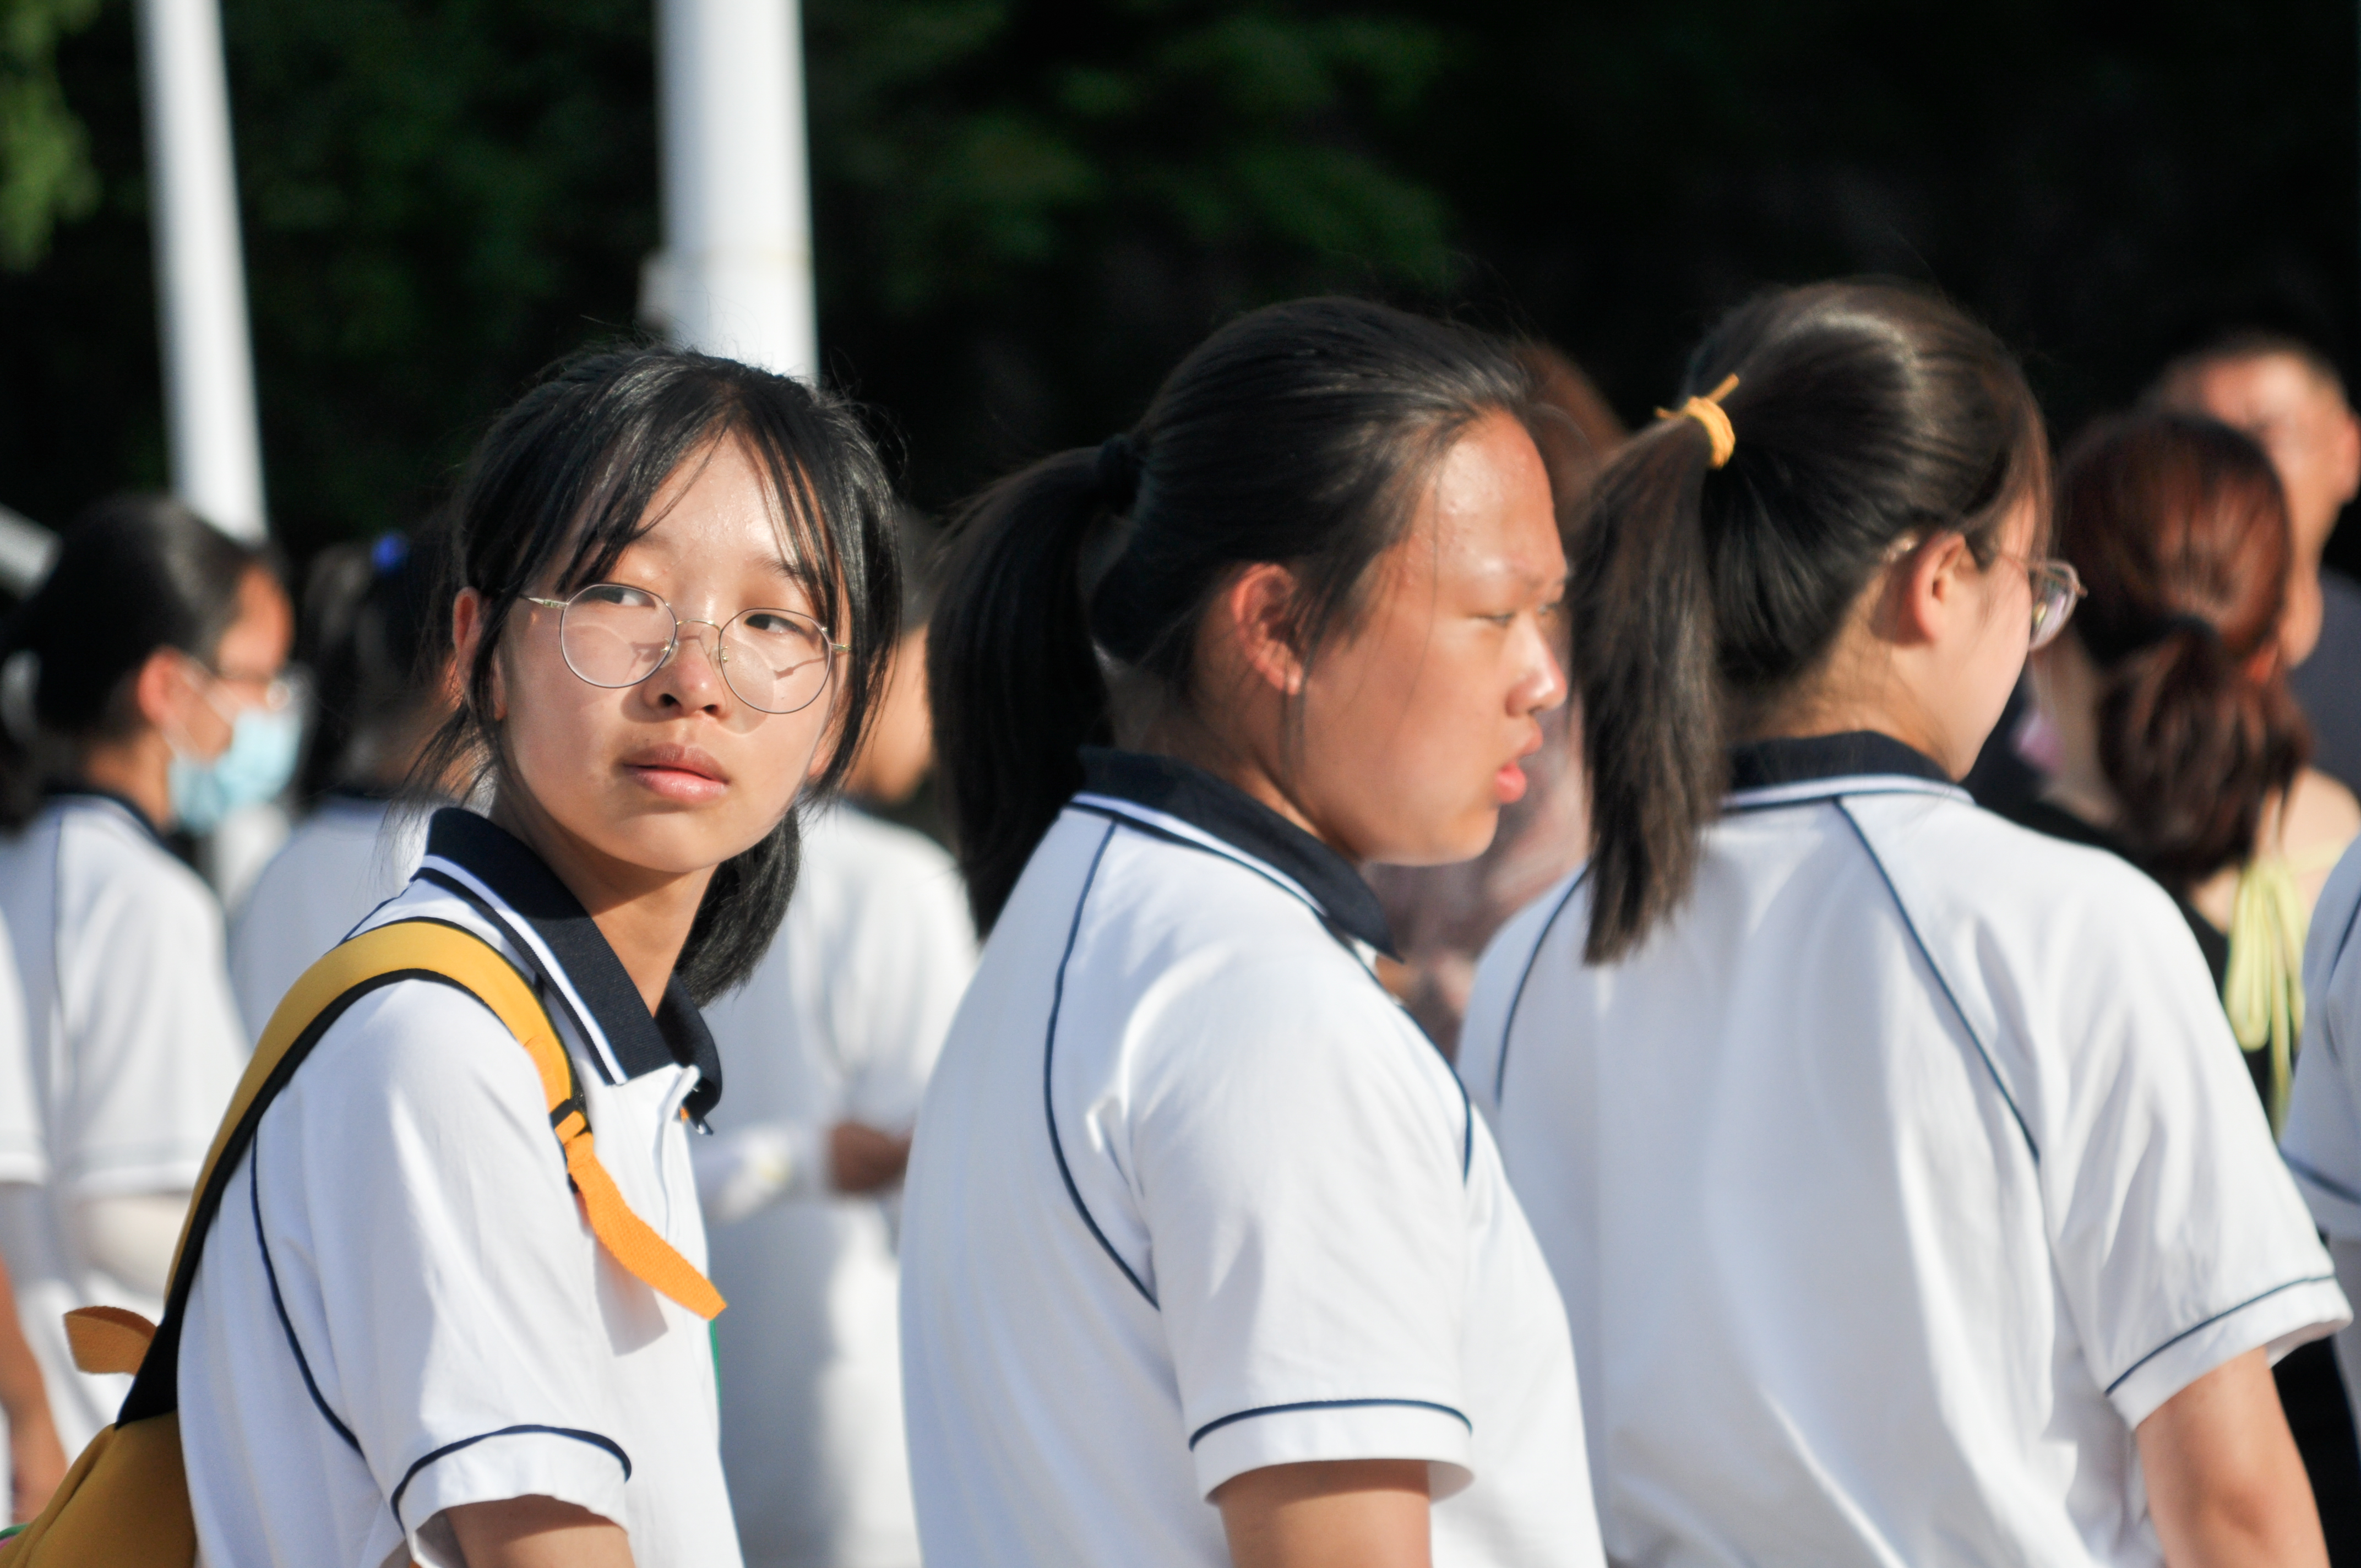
340 863
1192 1196
841 1022
1890 1184
135 1048
401 1307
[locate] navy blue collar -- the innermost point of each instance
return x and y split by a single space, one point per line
1239 820
1803 759
675 1036
92 791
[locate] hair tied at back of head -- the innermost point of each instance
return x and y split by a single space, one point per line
20 678
2112 651
1117 471
1707 411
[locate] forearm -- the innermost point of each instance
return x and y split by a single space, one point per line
1365 1513
537 1533
37 1461
2226 1488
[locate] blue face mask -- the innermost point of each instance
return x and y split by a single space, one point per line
263 746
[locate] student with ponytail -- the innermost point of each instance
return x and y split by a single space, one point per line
140 687
1895 1162
1195 1213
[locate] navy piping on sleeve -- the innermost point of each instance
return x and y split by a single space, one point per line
1509 1025
279 1303
1217 1425
2225 1312
1049 1057
592 1438
1910 925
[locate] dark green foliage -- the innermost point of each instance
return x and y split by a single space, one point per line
1026 212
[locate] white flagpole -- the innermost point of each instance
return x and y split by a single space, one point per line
216 448
735 274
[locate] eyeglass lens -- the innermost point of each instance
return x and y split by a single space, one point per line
775 660
2053 603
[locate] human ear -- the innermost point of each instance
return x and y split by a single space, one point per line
2347 456
1259 604
467 634
161 691
1927 587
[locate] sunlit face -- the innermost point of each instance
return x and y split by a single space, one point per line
2299 420
1413 726
676 774
241 673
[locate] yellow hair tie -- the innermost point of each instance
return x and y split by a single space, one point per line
1707 411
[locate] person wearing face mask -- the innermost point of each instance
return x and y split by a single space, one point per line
140 685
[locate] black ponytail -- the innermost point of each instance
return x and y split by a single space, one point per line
1867 414
1295 434
133 574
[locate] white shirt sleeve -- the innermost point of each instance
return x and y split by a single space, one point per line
2179 1240
157 1041
22 1155
437 1274
1300 1173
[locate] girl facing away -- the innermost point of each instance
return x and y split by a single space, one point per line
1898 1169
404 1339
1206 1259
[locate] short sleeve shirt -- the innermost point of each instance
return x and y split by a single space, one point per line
401 1307
841 1021
1891 1183
134 1047
1192 1197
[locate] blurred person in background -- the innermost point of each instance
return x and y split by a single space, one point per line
2179 749
1443 915
2289 396
141 687
830 1045
377 642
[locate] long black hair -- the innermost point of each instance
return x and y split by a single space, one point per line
133 574
1866 414
564 484
1296 434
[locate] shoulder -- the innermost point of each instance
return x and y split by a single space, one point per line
424 1049
850 853
115 870
2320 814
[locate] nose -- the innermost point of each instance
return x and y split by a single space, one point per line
691 678
1543 684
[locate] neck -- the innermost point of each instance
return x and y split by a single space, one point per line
2065 687
1178 733
137 767
644 914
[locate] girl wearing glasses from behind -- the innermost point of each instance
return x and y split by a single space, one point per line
1895 1164
407 1338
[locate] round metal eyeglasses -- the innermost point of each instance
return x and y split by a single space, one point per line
773 660
2057 589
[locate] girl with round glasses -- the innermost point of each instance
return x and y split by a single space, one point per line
675 586
1894 1163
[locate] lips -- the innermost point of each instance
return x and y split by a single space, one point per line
686 774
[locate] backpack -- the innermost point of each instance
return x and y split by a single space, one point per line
125 1503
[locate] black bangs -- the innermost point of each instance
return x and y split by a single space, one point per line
567 480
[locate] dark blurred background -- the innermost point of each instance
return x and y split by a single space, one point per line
1026 212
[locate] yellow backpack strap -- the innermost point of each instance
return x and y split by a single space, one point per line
468 961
